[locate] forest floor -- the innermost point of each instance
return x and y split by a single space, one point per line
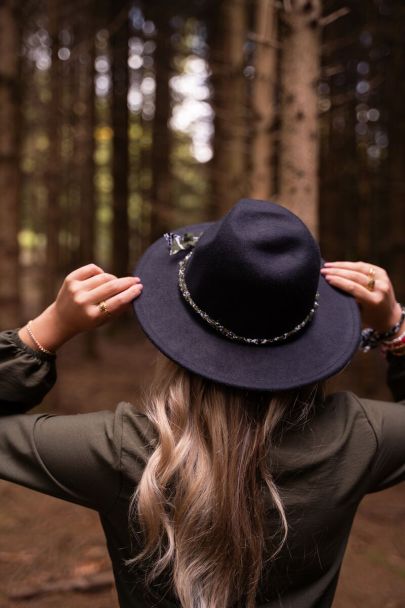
44 540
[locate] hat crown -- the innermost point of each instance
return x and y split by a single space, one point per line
256 271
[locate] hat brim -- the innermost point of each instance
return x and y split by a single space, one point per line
319 351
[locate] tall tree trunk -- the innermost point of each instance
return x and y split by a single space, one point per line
262 182
85 146
9 165
229 178
120 81
85 136
394 236
339 190
161 187
54 163
299 144
69 185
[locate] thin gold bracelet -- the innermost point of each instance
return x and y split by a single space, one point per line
33 338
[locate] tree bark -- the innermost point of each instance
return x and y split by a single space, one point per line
299 143
229 167
339 189
86 27
393 238
120 83
54 161
85 136
9 165
262 180
161 187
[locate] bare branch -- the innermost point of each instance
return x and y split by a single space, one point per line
332 70
332 17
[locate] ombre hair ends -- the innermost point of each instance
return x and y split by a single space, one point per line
201 504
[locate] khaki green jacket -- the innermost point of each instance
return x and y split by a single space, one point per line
350 447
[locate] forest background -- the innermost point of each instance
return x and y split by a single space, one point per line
121 119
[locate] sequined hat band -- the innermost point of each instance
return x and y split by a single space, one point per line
227 332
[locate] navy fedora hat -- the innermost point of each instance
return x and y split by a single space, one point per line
241 301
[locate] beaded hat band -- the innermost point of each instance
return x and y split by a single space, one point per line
227 332
186 310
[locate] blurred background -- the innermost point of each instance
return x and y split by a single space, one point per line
121 119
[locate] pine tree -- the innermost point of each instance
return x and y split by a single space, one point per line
160 154
396 133
9 164
299 141
85 133
262 179
54 169
229 167
120 118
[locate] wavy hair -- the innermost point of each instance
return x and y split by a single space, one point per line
201 503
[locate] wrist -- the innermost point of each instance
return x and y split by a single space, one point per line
394 318
48 330
373 337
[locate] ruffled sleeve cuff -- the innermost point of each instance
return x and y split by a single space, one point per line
26 375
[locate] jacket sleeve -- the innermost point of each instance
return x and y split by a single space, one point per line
74 457
396 377
26 375
388 424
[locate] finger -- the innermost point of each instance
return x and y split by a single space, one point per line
356 266
351 275
84 272
110 289
96 281
119 302
100 279
362 294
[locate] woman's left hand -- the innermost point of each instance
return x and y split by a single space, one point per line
371 286
88 298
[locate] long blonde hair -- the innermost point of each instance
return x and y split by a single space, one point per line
200 504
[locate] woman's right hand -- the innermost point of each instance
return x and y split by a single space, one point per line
77 306
379 307
77 303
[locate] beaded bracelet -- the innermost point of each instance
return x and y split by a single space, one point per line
395 347
33 338
397 352
397 340
392 349
371 338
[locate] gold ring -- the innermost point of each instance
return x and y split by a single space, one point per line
371 279
103 308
